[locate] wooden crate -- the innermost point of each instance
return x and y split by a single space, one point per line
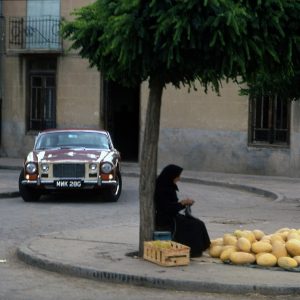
174 255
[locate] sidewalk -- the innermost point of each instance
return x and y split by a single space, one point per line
102 254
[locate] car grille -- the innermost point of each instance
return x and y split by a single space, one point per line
68 170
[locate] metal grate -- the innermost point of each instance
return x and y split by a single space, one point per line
68 170
270 120
34 33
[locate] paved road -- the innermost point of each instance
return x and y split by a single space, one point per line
222 209
21 221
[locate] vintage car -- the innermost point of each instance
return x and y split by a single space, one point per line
71 160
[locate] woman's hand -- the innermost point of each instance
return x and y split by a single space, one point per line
187 201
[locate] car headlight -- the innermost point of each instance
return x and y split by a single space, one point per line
45 168
93 167
106 168
31 168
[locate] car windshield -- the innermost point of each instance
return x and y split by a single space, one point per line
74 139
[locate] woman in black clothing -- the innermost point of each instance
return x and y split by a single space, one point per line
186 230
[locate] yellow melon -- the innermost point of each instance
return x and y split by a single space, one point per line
279 249
225 247
257 255
276 237
238 233
293 235
284 229
266 260
218 241
258 234
243 244
297 259
225 254
266 238
284 235
293 247
260 246
240 258
287 262
229 239
249 235
215 251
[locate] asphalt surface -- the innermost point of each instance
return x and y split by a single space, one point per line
108 254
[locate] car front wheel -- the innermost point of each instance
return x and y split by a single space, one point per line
113 193
27 193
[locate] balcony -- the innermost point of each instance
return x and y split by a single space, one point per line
34 35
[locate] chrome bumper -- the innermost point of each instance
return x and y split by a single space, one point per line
86 184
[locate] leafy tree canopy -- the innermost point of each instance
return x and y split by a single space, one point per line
182 41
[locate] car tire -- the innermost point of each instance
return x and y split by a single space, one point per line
27 193
112 194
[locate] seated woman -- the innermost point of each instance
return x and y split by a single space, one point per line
186 230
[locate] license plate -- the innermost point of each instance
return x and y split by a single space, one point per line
68 184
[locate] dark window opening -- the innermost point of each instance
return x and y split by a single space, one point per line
41 94
270 118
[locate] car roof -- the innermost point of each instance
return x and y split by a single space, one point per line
73 130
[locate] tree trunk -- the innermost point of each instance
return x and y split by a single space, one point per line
149 162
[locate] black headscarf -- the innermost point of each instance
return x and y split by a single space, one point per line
165 197
167 175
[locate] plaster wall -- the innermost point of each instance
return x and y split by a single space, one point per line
78 93
295 139
207 132
14 8
68 6
13 108
182 108
13 102
66 9
220 151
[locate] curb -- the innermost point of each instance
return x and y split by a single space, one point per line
28 256
14 194
242 187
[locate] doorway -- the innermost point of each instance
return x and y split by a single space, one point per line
121 118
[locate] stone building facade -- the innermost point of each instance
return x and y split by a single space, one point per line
43 85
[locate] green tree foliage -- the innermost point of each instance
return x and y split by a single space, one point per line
180 42
187 40
279 71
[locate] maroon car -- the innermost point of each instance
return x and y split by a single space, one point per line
71 159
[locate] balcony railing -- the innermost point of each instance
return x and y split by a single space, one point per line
31 34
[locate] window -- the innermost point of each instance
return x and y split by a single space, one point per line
42 94
89 140
270 119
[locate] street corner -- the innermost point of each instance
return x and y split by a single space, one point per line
116 262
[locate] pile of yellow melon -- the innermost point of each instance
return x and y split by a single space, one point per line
281 248
161 244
